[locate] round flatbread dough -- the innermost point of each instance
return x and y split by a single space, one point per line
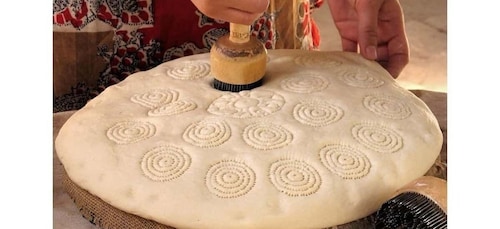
326 139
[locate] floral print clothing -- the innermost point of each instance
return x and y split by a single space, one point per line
98 43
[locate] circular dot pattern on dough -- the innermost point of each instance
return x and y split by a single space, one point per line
317 60
173 108
267 136
387 106
189 70
361 80
317 113
155 98
165 163
127 132
294 178
345 161
305 83
247 104
377 137
207 133
230 179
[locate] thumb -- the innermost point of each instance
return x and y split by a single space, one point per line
367 26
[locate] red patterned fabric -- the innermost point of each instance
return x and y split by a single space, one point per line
147 33
115 13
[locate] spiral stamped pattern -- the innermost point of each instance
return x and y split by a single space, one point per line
387 106
165 163
173 108
207 133
377 137
317 113
318 60
128 132
155 98
230 179
294 177
247 104
305 83
361 80
267 136
345 161
189 70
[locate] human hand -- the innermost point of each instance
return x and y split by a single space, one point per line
377 26
236 11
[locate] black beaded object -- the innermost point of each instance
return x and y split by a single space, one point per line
410 210
219 85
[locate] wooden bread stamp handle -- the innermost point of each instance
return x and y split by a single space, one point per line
239 33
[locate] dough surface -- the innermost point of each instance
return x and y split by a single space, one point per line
325 141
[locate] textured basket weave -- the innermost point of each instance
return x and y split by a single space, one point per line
103 214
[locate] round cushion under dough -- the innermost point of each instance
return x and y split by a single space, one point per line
326 139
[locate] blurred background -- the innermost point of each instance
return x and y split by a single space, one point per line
426 27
